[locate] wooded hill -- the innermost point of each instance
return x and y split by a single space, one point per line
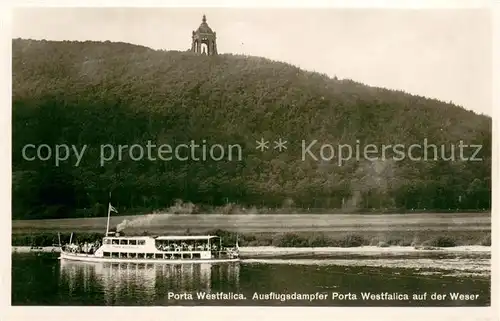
97 93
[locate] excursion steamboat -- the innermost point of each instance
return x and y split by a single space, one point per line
116 248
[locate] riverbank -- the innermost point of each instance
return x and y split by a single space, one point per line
171 224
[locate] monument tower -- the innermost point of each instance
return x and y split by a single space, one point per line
204 39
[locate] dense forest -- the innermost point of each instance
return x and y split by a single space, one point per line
98 93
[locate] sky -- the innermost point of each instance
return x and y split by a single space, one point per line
438 53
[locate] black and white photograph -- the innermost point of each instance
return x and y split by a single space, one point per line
237 157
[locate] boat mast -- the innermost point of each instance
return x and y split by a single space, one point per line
109 214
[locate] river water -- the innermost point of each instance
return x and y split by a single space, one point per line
346 280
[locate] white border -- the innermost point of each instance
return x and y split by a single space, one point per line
405 4
495 222
233 313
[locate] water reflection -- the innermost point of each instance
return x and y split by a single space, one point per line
147 283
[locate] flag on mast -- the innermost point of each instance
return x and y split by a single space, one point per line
112 209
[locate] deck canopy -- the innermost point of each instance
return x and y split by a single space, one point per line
125 237
163 238
185 237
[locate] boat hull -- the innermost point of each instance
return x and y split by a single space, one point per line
93 258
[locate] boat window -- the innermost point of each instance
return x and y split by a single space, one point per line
159 256
196 256
123 242
141 242
149 255
115 242
107 241
177 255
186 256
107 254
132 242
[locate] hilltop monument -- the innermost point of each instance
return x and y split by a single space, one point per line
204 40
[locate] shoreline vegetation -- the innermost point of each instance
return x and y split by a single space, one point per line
422 240
185 207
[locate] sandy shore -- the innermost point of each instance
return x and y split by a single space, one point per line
28 249
271 250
